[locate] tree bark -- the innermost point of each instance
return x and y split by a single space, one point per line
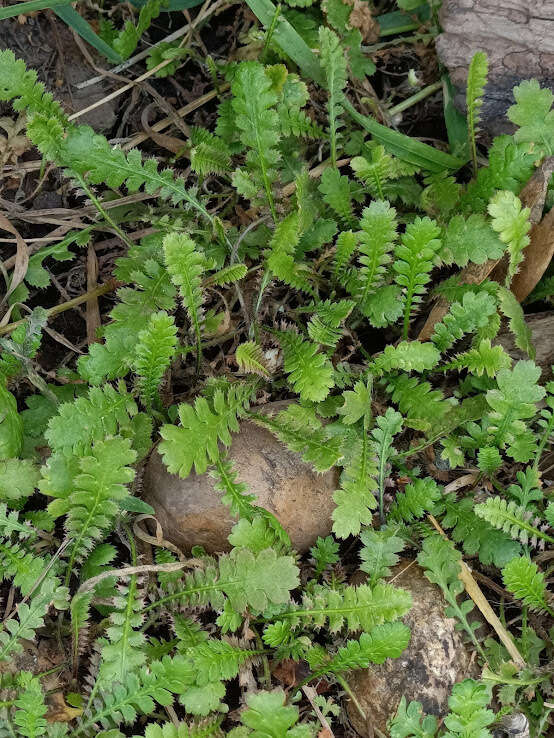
516 35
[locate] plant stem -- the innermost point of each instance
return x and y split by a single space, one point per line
98 205
109 286
414 99
270 30
344 684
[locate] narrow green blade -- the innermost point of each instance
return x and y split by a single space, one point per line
172 5
29 7
70 16
456 123
289 40
404 147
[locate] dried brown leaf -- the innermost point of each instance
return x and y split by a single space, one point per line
21 257
361 18
537 257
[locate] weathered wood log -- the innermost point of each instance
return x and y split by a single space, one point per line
542 335
517 36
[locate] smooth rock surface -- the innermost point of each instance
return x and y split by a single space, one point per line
435 659
191 513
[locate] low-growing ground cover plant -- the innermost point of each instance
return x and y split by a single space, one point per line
322 293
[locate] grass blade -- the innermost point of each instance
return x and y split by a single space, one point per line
70 16
408 149
399 22
29 7
456 123
289 40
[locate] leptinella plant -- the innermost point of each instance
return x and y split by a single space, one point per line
332 257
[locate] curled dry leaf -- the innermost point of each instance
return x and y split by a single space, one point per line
14 143
537 257
21 257
59 711
361 18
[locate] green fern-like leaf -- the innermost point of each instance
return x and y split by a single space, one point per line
380 552
510 166
463 317
234 492
254 101
469 715
310 372
345 247
30 617
299 428
19 562
512 309
387 426
406 356
152 291
90 155
512 403
123 649
546 423
489 460
357 403
470 239
410 722
281 260
20 85
10 523
186 265
246 579
383 642
268 715
209 154
126 40
18 479
483 359
355 608
337 193
137 695
533 115
92 506
414 262
203 425
523 579
441 562
31 710
333 62
217 660
475 535
324 326
513 519
354 499
154 351
101 412
476 81
511 221
80 616
208 728
385 177
419 498
376 241
228 275
422 406
11 425
250 358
